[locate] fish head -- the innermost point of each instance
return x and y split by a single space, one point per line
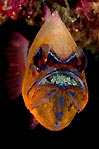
54 87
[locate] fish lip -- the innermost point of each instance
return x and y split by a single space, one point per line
67 73
71 74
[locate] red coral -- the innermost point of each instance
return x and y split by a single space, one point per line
1 6
11 8
86 13
85 8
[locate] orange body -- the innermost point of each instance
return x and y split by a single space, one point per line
53 89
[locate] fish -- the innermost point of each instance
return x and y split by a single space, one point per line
49 73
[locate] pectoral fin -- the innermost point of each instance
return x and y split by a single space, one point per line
33 122
16 55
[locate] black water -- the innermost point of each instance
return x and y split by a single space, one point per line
14 117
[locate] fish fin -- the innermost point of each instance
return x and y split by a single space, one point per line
16 55
48 14
33 122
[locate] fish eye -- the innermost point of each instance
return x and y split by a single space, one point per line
82 62
45 58
39 60
78 60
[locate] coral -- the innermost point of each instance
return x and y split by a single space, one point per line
82 20
15 9
80 16
30 10
10 8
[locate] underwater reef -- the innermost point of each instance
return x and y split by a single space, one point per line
80 16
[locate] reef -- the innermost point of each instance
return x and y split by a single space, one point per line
80 16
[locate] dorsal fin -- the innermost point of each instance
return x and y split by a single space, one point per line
16 54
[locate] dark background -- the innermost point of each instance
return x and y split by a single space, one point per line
14 117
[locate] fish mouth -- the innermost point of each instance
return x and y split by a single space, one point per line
62 79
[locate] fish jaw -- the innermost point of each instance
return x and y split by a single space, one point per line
55 114
50 83
43 100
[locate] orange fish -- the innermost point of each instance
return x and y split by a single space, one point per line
51 76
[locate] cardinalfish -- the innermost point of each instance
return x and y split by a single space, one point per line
50 76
